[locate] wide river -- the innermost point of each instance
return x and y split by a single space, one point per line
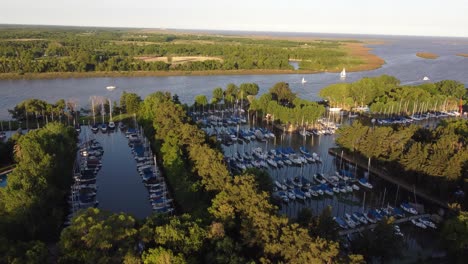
399 54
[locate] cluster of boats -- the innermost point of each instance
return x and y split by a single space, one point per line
158 194
301 188
229 136
353 220
84 188
216 121
274 158
416 117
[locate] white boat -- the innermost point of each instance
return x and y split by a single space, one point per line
418 224
343 74
334 109
111 125
427 222
303 80
407 208
110 87
365 183
426 78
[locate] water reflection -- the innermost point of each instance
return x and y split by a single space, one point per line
120 185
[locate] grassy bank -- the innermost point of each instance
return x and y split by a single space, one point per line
427 55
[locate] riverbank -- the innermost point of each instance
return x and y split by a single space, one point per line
463 55
427 55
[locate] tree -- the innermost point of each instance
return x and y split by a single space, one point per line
248 89
324 226
455 233
95 236
218 94
201 100
161 255
282 93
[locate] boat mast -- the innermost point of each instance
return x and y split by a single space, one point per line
94 114
110 109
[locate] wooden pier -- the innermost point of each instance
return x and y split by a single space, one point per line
397 221
337 152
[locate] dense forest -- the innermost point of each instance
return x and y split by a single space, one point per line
385 95
433 159
57 49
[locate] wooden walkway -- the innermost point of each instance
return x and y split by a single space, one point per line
397 221
363 164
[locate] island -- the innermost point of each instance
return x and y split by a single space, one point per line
70 52
427 55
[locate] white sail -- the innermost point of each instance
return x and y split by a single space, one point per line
343 73
303 80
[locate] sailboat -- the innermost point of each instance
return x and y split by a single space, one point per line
94 128
426 78
303 80
343 74
111 123
103 113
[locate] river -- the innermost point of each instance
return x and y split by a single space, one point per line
399 54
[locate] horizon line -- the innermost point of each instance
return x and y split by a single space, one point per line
201 30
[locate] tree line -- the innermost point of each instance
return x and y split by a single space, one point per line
385 94
434 159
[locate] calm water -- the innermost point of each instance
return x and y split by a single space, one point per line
120 186
398 52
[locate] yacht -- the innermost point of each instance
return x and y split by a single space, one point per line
110 87
111 125
303 80
426 78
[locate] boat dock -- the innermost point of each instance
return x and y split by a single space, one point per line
337 152
397 221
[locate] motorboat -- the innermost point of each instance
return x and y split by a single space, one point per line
111 87
426 78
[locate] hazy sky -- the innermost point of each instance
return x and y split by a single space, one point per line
396 17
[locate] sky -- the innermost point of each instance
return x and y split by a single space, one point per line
385 17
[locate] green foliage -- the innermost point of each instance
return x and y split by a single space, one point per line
201 100
85 50
38 184
98 237
162 256
218 94
384 94
283 106
246 89
455 233
433 159
282 93
130 102
181 234
324 226
34 252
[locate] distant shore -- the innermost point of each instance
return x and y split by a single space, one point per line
427 55
356 50
463 55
